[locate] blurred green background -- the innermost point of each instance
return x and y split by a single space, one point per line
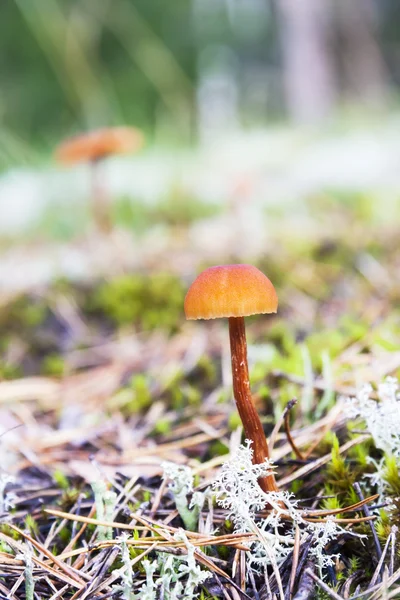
184 69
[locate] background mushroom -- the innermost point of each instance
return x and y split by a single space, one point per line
93 147
236 291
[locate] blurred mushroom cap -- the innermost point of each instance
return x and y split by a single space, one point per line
98 144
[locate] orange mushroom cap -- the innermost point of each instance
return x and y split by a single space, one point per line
99 144
230 291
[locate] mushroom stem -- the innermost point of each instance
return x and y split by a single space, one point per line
100 199
252 425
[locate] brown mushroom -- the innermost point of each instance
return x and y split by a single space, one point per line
93 147
236 291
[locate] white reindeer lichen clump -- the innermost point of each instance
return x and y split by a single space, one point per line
181 484
238 491
381 417
179 576
7 499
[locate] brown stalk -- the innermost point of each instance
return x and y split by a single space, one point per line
100 200
252 425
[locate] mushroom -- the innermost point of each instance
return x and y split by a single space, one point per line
94 147
236 291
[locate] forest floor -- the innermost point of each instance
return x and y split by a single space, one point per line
103 382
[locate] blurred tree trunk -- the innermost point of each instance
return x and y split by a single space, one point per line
309 79
364 70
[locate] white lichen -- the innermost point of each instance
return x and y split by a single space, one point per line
7 499
382 416
382 419
181 485
105 501
127 575
179 576
237 490
27 557
148 591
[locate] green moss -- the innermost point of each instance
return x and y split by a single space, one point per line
162 427
218 448
325 444
53 365
11 533
10 371
229 526
178 394
206 370
263 392
69 497
146 496
392 477
65 536
234 421
260 371
62 222
224 396
61 479
333 502
141 389
193 395
178 209
383 526
135 552
339 476
223 552
146 302
296 486
31 525
24 312
177 399
133 399
4 547
361 453
131 214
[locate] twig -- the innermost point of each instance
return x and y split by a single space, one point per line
253 585
306 586
295 562
304 555
367 513
320 462
375 591
323 585
119 572
335 511
279 422
110 557
375 576
65 568
393 534
222 588
287 430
